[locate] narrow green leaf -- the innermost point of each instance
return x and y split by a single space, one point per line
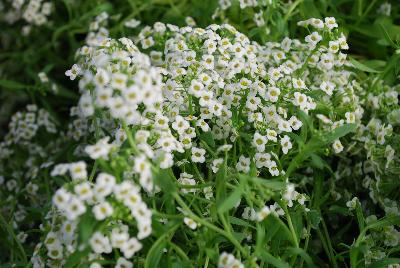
9 84
164 180
231 201
360 66
384 263
208 138
268 258
339 132
74 259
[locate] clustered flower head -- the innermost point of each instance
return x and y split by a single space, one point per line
200 130
34 12
180 85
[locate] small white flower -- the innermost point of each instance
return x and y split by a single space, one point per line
243 165
102 210
313 38
99 150
273 94
327 87
286 144
100 243
123 263
132 23
259 141
61 198
352 203
131 247
216 164
78 170
198 155
83 191
337 146
191 223
73 72
330 23
74 208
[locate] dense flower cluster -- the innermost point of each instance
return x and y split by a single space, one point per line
33 12
191 146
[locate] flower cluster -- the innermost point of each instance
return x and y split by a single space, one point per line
34 12
188 143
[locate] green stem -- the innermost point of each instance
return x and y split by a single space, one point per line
210 225
11 232
291 9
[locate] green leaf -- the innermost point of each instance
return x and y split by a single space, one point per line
74 259
272 184
9 84
156 251
154 256
384 263
165 181
360 66
231 201
301 252
340 132
268 258
315 218
86 226
208 138
240 222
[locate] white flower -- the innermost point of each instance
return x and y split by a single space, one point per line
352 203
327 87
313 38
123 263
295 123
228 260
290 194
100 243
147 42
337 146
131 247
259 141
78 170
102 210
330 23
334 46
74 208
43 77
298 83
99 150
198 155
119 237
243 165
300 100
350 117
272 135
101 78
32 188
249 214
105 179
216 164
191 223
286 144
61 198
262 159
83 191
273 94
132 23
73 72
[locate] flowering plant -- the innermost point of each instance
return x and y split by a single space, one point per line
193 146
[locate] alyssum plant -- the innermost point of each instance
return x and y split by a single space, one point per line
198 166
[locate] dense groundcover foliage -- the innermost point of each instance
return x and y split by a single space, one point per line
230 133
